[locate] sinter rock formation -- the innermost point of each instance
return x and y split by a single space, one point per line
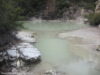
21 54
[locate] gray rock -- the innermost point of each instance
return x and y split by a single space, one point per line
21 54
98 48
26 36
24 51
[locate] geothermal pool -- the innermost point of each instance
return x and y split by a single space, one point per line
60 56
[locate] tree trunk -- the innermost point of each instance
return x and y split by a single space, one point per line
50 8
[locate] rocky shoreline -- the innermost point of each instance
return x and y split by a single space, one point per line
21 54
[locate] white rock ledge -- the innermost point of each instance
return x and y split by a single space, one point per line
26 36
24 51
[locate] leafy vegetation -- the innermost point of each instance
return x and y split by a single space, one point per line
94 19
9 14
31 7
63 6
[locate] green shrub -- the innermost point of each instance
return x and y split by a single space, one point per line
94 19
9 14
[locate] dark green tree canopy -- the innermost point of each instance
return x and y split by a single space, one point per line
9 13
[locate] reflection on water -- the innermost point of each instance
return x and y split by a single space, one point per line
57 55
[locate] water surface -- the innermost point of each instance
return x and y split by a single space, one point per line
57 53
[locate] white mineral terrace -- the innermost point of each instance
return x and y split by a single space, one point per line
27 50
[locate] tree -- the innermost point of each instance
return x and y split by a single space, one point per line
9 14
50 7
32 8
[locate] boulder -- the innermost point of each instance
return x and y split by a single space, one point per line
26 36
22 52
98 48
54 72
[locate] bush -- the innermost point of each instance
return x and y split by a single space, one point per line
94 19
32 7
9 14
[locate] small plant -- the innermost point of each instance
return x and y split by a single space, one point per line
94 19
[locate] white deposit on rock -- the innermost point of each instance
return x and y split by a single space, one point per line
25 51
26 36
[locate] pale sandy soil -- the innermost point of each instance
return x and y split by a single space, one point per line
88 38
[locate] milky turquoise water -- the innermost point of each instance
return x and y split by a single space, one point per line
56 52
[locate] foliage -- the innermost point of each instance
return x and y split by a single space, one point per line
94 19
9 14
32 7
64 5
61 6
